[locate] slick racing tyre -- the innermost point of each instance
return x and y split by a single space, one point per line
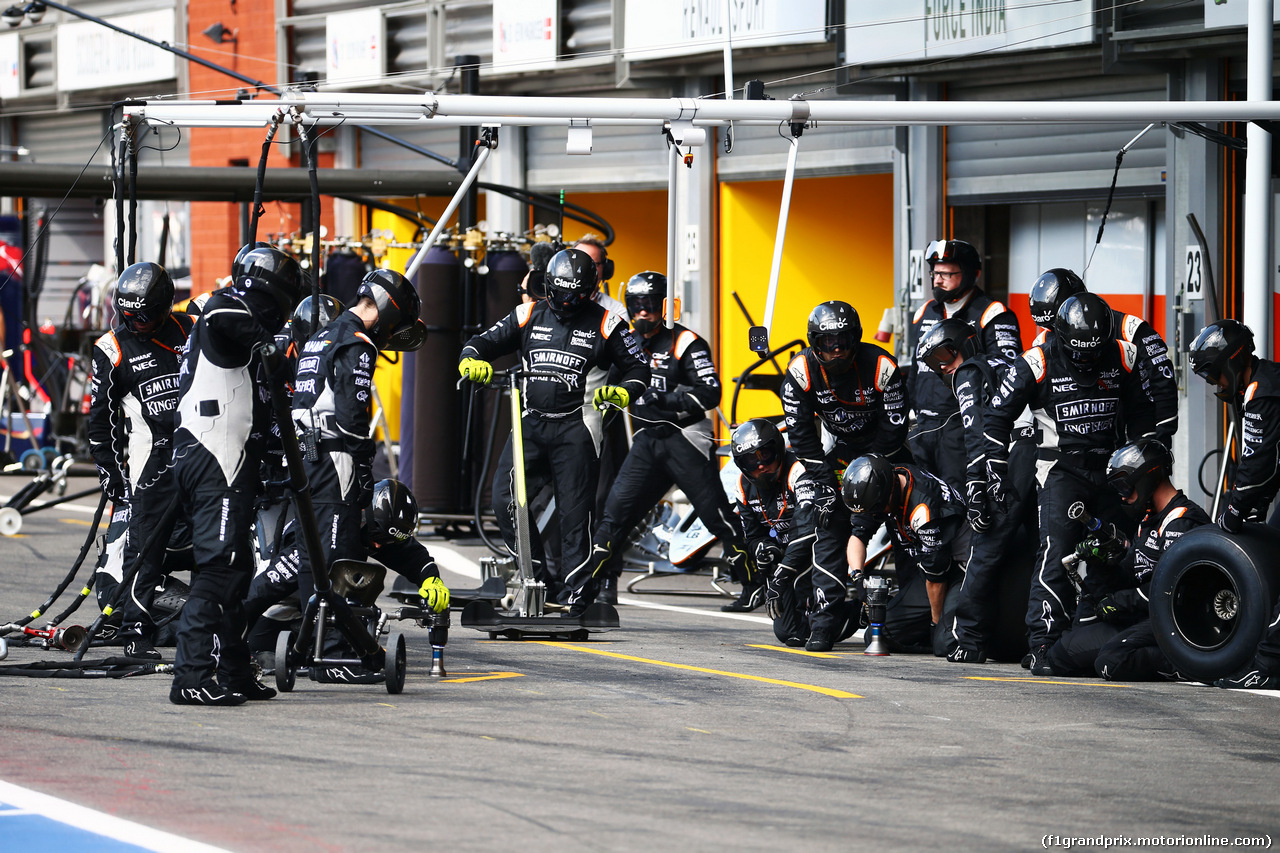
1211 598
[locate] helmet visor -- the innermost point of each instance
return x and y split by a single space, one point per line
836 344
648 303
941 356
752 461
143 322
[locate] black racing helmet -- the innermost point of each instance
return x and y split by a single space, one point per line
300 328
755 444
834 333
1224 348
1051 289
868 485
398 304
264 269
392 515
955 252
645 291
238 269
947 339
1083 330
1139 467
571 281
143 297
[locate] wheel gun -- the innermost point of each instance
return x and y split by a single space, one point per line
1104 531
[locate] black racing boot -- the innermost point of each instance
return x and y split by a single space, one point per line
608 591
819 641
212 695
751 597
1040 661
962 655
1251 678
140 648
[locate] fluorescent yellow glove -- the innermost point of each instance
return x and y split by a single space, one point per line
476 370
434 594
610 395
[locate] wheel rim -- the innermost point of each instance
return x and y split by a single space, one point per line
1206 606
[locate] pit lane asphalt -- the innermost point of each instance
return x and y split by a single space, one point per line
685 730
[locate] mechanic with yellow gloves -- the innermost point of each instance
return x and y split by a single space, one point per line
560 338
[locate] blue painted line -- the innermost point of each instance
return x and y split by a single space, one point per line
30 820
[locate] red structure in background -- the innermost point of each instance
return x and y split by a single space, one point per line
215 226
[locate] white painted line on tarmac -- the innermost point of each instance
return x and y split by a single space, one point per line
30 820
1274 694
74 507
448 558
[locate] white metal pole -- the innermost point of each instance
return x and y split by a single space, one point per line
781 237
673 162
728 49
1257 194
448 212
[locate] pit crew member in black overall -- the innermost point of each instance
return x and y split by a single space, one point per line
1223 355
770 487
1118 643
1053 287
926 521
1083 390
389 525
133 395
937 441
856 390
333 409
560 339
672 444
224 412
951 349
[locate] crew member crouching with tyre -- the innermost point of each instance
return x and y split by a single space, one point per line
1118 642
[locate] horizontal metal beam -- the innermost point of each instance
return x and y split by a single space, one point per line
329 108
198 183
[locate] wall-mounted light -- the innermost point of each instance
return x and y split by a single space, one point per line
218 34
14 15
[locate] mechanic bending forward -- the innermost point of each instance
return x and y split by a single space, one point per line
333 411
937 442
133 397
1053 287
560 339
1223 355
857 391
1077 385
672 444
224 410
1119 643
950 348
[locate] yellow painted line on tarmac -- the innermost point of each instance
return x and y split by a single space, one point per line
1080 683
791 651
80 521
493 676
826 691
699 731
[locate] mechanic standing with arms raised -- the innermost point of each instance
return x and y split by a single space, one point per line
560 339
857 392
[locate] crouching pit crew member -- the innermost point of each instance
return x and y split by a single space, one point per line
950 348
1223 355
560 339
672 444
224 410
856 390
1118 643
1077 385
926 521
134 394
771 486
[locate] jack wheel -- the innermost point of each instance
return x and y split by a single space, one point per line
395 663
31 460
285 674
10 521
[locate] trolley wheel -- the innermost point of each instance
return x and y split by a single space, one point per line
285 674
395 665
49 454
31 460
10 521
493 635
579 636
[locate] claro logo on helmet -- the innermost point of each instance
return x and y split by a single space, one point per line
831 326
1079 343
